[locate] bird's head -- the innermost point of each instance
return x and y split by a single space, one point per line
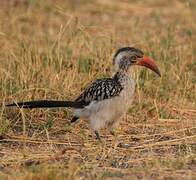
128 56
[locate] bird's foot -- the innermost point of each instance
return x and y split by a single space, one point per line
97 135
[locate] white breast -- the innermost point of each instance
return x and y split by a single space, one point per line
108 112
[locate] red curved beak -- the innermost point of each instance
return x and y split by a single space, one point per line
148 62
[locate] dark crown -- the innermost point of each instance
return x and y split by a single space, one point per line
131 50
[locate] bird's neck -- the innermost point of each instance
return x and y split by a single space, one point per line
123 77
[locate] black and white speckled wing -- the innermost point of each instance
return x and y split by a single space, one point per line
100 90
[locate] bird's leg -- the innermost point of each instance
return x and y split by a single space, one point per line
113 128
97 135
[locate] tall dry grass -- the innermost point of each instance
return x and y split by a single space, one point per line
53 49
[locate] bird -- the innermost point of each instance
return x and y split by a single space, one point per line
105 100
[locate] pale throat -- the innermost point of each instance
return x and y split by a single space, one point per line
124 77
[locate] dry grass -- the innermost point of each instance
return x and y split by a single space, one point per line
53 49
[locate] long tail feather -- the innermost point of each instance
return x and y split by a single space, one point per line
48 104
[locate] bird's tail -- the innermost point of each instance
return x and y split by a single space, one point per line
48 104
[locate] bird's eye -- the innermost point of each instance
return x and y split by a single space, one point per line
133 58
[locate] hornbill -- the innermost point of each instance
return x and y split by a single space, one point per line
107 99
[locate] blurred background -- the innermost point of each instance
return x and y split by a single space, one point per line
52 49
